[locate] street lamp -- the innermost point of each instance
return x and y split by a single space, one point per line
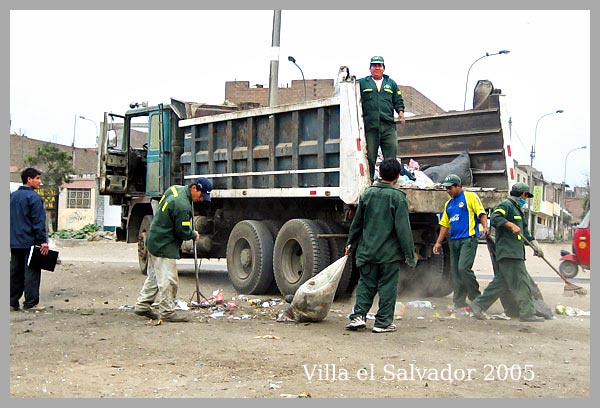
487 54
95 124
293 60
564 185
530 176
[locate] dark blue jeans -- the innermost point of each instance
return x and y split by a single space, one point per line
23 279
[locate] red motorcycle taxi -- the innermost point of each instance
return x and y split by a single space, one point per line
580 255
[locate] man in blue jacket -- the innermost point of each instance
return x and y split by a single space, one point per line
27 228
380 96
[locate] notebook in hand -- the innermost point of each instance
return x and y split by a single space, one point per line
38 261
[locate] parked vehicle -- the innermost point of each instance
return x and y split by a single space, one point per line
287 180
580 255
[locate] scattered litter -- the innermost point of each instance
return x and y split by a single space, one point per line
276 385
570 311
399 310
420 304
218 314
181 305
420 318
246 316
267 336
126 308
304 394
499 316
200 364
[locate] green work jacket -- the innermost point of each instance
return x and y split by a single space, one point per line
379 106
509 245
172 223
381 227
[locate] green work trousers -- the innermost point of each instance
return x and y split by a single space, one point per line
512 276
384 136
381 279
462 257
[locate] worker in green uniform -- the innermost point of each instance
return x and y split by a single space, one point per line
381 233
511 225
380 96
172 224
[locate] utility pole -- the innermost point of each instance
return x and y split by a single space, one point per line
274 74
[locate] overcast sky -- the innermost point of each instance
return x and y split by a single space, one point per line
65 64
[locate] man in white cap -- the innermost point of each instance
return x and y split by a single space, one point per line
380 96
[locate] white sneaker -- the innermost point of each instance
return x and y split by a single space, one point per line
357 323
390 328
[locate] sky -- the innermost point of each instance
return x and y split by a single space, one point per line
66 64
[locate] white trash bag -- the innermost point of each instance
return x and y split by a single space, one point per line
314 297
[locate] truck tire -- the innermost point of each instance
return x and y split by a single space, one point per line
142 251
569 269
432 277
274 226
250 257
336 251
298 254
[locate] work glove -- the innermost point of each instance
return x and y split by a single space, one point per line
412 263
537 250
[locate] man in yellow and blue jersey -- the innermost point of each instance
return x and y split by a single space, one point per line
172 224
462 215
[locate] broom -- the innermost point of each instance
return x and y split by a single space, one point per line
569 287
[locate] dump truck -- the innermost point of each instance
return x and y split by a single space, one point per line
286 181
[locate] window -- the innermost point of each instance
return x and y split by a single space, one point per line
79 198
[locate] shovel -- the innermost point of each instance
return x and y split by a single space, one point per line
569 287
197 293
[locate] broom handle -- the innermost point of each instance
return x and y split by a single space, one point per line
549 264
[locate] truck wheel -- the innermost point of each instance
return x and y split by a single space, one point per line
298 254
431 277
142 251
250 257
274 226
569 269
336 251
436 277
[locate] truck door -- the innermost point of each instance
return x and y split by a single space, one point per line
113 155
158 159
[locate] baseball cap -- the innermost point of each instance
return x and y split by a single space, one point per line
203 184
521 188
377 60
450 180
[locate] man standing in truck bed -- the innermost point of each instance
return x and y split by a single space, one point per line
172 224
380 96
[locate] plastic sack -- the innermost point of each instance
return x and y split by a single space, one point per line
460 165
314 297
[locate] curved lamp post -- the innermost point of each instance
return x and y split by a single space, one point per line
487 54
293 60
530 177
95 124
564 188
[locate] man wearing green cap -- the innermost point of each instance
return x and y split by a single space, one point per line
511 225
380 97
462 215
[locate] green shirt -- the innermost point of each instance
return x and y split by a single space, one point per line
509 245
379 106
172 223
381 227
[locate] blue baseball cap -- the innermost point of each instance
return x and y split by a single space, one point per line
205 186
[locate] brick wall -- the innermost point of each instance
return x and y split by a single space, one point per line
240 92
86 159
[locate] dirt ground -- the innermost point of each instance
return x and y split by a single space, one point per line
88 343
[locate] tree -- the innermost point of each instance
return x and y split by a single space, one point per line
56 165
